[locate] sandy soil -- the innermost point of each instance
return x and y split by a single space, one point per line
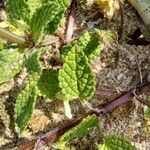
120 68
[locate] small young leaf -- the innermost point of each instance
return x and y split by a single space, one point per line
17 10
48 83
79 131
25 103
89 43
11 61
76 77
116 143
49 11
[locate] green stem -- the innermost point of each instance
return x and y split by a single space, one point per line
11 37
67 109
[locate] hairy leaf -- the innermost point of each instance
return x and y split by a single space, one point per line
117 143
25 103
48 83
76 77
17 10
48 12
11 61
79 131
89 43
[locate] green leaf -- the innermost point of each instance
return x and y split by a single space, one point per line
33 5
63 3
32 61
114 142
89 43
17 10
48 12
48 83
11 61
147 111
53 25
76 77
25 103
80 131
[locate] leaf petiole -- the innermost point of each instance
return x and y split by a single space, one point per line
11 37
67 109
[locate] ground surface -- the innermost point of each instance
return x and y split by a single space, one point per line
120 68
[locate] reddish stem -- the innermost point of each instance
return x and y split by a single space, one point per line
98 110
71 19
